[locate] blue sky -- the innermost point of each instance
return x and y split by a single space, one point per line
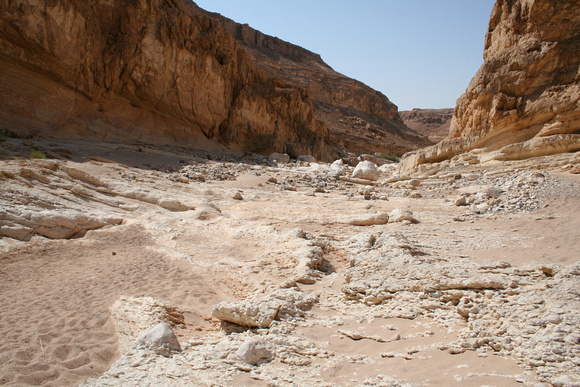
419 53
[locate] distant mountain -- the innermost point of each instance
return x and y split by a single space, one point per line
432 123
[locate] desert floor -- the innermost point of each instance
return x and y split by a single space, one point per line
102 240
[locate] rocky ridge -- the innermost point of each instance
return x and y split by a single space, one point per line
523 101
359 118
152 72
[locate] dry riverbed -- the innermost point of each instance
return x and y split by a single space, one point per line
465 275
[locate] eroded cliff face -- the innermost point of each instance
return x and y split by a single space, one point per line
151 71
358 117
525 99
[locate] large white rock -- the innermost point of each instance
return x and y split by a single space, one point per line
256 351
366 170
337 166
159 339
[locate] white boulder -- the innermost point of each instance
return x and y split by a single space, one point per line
256 351
160 339
366 170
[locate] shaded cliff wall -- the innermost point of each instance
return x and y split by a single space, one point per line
153 71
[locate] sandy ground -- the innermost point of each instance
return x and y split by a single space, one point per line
55 324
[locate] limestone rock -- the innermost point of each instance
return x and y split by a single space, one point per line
337 167
172 204
366 170
525 99
133 315
159 339
398 215
370 219
256 351
62 224
388 169
262 311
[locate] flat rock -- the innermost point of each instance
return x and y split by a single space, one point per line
369 219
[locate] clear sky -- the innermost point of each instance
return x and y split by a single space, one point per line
419 53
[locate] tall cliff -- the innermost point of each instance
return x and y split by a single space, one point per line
151 71
358 117
525 99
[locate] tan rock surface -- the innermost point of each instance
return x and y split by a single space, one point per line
152 72
527 90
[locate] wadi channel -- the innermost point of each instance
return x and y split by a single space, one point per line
277 272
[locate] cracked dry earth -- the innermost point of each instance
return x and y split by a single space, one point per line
336 286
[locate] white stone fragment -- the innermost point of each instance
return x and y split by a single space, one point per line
160 339
256 351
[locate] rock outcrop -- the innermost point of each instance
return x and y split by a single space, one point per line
152 71
359 118
527 92
433 123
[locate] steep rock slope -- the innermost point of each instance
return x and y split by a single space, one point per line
150 71
525 99
433 123
358 117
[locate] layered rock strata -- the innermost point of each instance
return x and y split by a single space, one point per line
433 123
153 71
527 92
358 117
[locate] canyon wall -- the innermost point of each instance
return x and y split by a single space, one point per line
525 99
144 71
358 117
